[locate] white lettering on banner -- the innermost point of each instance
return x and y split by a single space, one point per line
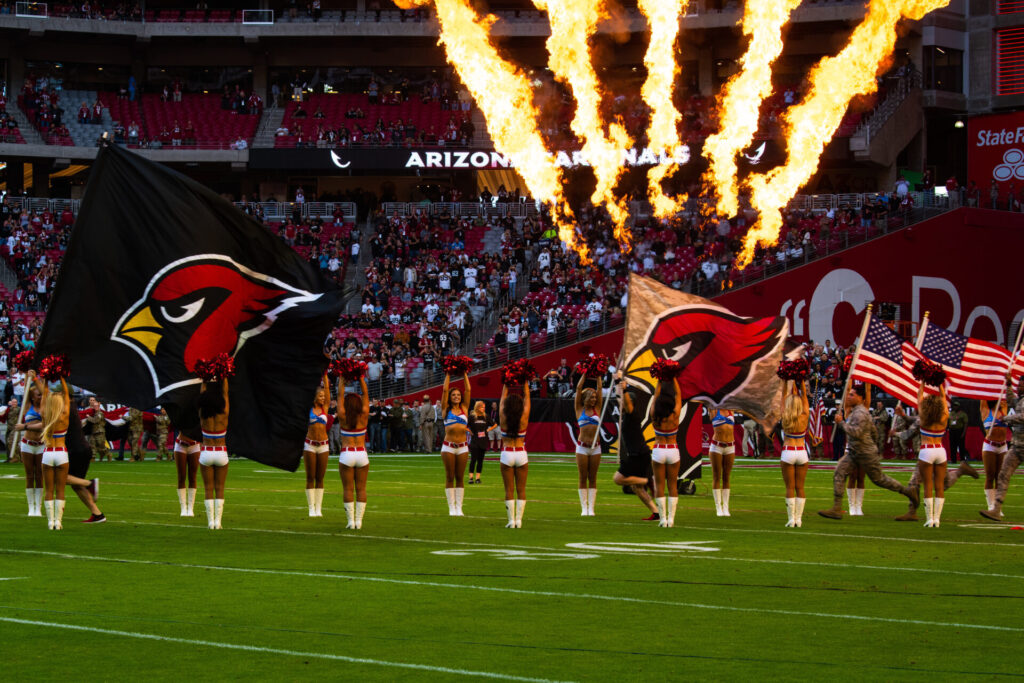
984 312
841 285
414 160
990 138
798 321
920 282
564 159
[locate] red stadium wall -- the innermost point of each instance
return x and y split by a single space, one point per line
959 266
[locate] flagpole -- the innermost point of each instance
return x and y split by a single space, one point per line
604 399
856 355
1006 387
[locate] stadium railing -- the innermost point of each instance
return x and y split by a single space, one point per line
278 211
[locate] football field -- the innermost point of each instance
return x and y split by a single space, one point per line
418 595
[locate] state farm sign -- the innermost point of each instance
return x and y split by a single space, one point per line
996 153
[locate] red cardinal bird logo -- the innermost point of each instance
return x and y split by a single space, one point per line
718 350
198 307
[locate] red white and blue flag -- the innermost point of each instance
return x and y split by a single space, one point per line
814 421
887 361
1017 369
974 368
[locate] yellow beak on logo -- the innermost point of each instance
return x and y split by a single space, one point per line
142 327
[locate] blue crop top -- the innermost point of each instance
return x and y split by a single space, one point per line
585 420
451 419
314 418
32 416
987 422
719 420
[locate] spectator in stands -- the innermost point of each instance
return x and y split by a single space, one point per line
240 144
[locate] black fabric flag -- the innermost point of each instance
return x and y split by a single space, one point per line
160 271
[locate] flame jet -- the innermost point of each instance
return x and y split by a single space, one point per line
811 124
662 69
738 113
573 22
505 98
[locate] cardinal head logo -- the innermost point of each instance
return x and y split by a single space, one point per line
197 307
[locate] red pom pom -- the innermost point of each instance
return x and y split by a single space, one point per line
518 371
594 366
350 369
23 361
456 365
215 369
930 373
665 370
847 362
795 370
54 368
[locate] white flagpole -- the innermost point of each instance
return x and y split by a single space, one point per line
856 356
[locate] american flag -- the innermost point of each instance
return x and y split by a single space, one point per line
886 361
1017 369
814 419
974 368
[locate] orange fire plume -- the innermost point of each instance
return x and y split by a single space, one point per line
573 22
811 124
505 98
740 104
662 69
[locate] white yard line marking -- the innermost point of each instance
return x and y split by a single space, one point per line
278 651
12 578
521 591
878 538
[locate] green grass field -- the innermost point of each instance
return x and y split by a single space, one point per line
419 595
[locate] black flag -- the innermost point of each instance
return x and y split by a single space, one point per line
160 271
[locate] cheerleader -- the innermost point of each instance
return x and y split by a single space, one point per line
588 451
186 460
213 453
722 454
353 463
32 447
454 448
56 411
514 418
994 449
795 414
479 426
665 456
931 459
316 449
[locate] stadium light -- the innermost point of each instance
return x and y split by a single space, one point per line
959 123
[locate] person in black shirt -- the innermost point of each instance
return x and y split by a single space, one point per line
479 441
635 469
374 425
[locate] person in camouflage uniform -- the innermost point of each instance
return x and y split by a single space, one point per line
906 437
13 447
861 451
1013 458
881 419
163 425
98 430
952 476
135 433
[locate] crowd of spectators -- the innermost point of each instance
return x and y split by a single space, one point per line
8 125
40 101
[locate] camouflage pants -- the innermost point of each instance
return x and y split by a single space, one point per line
161 444
98 442
1010 464
13 446
872 468
135 436
952 476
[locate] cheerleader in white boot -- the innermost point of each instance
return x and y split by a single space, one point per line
668 403
994 448
213 420
931 459
455 447
354 463
795 412
186 460
722 455
588 450
316 449
56 409
514 418
32 448
855 492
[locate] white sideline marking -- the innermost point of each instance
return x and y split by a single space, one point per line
521 591
876 538
278 651
12 578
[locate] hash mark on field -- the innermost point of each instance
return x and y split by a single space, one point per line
278 651
523 591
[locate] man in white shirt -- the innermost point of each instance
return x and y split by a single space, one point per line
355 253
594 309
431 310
444 281
710 269
367 307
334 265
469 273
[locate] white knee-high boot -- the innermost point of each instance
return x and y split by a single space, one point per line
183 502
449 494
350 514
725 502
798 516
591 499
48 504
929 508
937 513
58 515
39 502
851 502
360 511
791 512
30 496
717 494
311 501
520 506
318 501
191 503
219 510
662 515
860 502
460 495
583 502
211 513
510 509
672 502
